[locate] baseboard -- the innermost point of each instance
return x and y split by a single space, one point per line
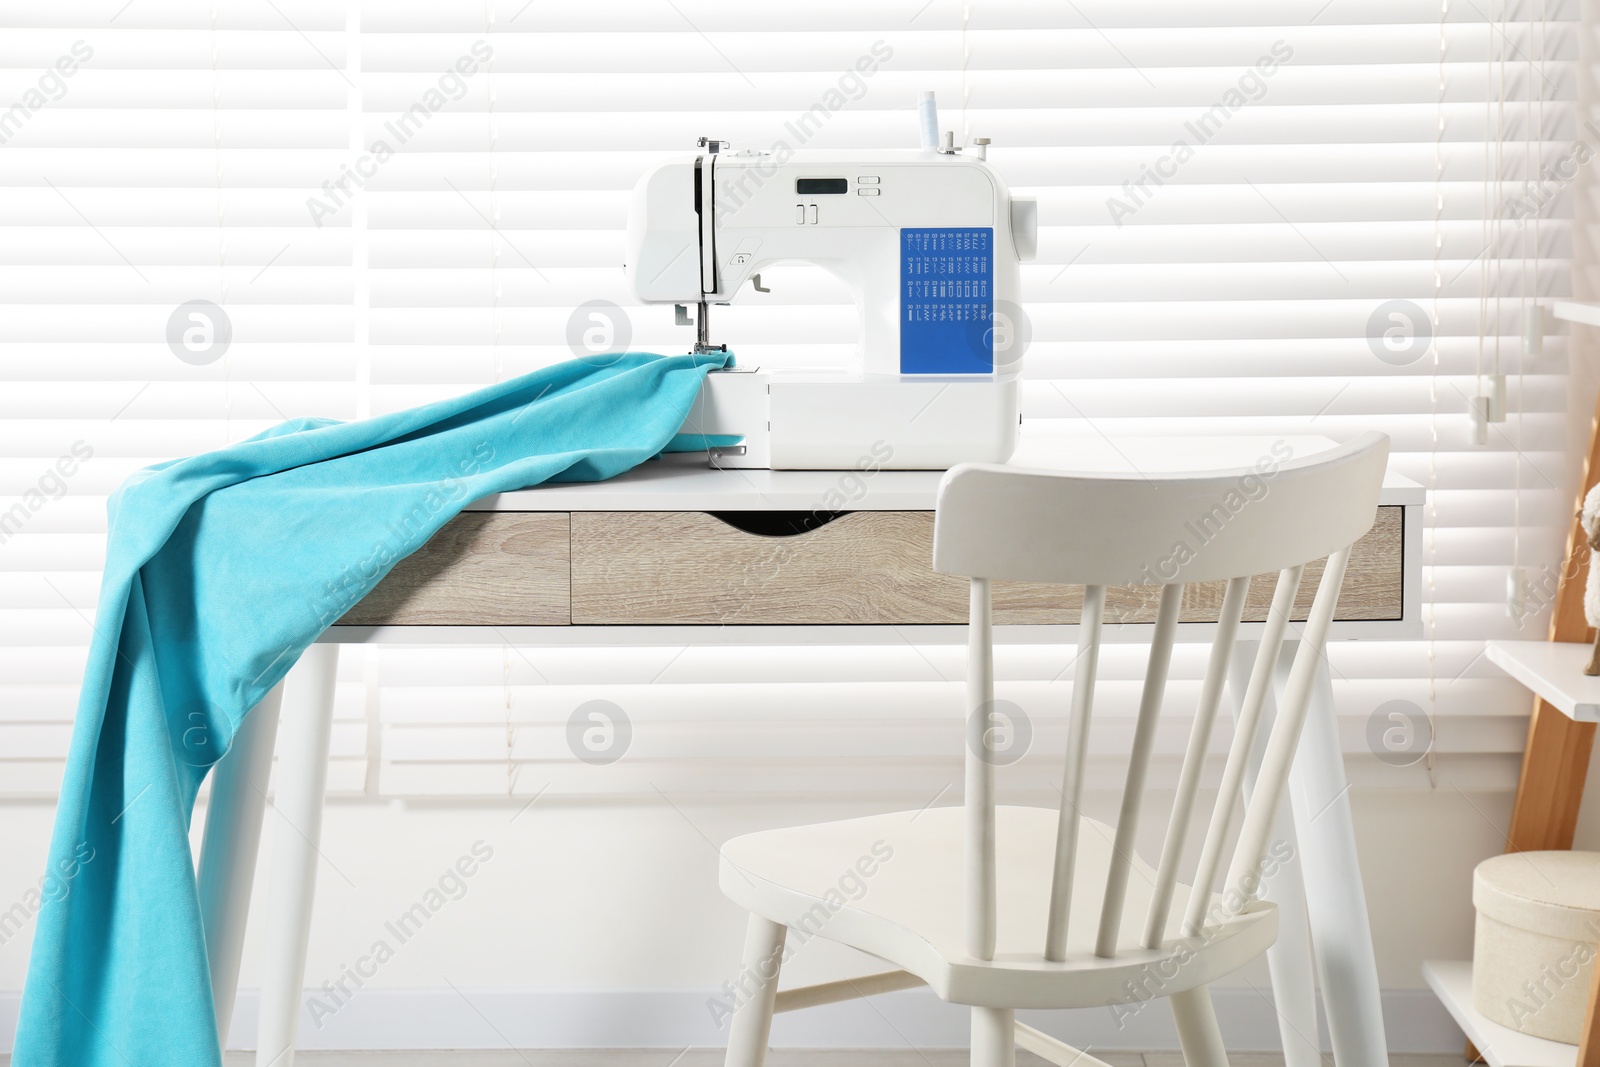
486 1019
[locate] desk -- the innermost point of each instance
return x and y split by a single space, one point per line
677 553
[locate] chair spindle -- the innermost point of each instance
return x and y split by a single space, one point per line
1249 722
980 870
1088 664
1155 687
1205 717
1243 875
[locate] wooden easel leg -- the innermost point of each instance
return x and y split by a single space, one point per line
1589 1046
1550 791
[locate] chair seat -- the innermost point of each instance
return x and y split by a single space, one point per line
892 885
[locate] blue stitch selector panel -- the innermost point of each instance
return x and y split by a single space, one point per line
947 300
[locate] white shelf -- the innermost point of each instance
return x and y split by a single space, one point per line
1576 311
1501 1046
1554 671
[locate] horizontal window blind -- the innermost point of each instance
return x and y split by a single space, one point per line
390 203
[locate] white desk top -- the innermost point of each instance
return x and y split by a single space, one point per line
685 482
1553 670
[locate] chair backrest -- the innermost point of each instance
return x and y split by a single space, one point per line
1163 531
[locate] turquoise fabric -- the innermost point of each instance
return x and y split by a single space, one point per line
220 570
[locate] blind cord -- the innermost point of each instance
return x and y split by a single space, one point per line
1430 583
222 239
494 177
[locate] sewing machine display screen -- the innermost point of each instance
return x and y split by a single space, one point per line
947 300
818 186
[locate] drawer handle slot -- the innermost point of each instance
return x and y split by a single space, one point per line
776 523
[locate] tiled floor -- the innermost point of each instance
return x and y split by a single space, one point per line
778 1058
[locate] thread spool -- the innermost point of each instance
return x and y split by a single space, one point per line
928 119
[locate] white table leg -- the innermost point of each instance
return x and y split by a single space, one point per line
1289 960
302 780
228 850
1336 901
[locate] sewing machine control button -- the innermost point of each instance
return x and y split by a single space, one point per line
811 214
871 179
868 192
799 214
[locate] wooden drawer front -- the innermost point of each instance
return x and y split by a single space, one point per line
692 568
1372 589
484 568
519 568
686 568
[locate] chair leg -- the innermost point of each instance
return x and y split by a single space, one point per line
1197 1028
994 1037
757 987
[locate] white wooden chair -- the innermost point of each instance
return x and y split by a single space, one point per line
1015 907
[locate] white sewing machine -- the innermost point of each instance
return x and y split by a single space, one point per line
929 243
